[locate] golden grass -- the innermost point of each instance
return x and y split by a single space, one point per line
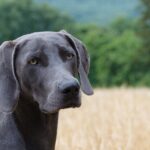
112 119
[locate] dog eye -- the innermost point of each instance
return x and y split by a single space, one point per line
69 56
33 61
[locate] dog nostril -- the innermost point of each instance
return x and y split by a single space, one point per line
70 89
66 90
76 90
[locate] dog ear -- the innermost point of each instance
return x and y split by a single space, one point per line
83 62
9 88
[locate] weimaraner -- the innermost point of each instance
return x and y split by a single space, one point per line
38 77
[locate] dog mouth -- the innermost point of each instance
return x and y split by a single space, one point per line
71 105
56 107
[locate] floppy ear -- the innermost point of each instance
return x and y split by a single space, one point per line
9 88
83 62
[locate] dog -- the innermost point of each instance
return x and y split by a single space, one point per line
38 77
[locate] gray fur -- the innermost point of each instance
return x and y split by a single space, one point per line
38 78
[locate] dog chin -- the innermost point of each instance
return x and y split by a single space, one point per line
49 110
55 108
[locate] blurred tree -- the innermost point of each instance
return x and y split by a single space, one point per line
25 16
118 55
143 56
121 24
113 52
145 23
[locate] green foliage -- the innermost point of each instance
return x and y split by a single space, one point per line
144 51
25 16
113 54
118 54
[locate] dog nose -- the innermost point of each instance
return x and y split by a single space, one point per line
69 88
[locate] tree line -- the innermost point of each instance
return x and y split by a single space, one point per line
120 52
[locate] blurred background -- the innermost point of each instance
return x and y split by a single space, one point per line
116 33
117 36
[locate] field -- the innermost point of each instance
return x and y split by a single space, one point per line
112 119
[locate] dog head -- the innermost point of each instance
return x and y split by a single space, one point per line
44 66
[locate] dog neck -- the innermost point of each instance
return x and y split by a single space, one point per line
38 130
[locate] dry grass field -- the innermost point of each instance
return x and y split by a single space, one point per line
112 119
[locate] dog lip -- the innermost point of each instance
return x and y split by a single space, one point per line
49 112
71 104
65 102
56 108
